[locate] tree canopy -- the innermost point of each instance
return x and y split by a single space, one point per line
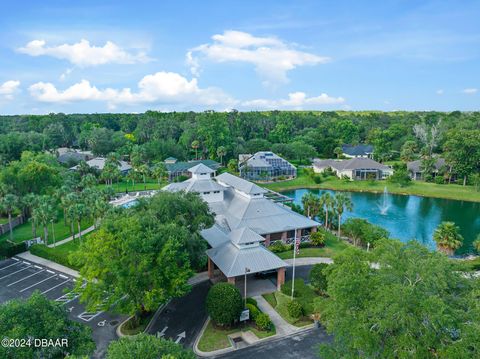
400 301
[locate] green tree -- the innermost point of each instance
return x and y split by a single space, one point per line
476 244
221 152
327 202
408 151
224 304
45 213
338 151
147 347
413 304
400 176
447 237
342 203
38 317
462 152
195 145
9 203
318 278
159 172
141 257
233 165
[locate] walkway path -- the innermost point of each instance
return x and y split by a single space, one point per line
281 325
63 241
27 256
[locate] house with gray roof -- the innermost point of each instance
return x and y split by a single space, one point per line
98 163
360 168
265 166
176 169
246 222
357 151
416 172
71 156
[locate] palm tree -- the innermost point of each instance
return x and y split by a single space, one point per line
342 203
9 203
132 176
100 209
195 145
308 202
78 212
44 213
221 151
447 237
144 171
159 172
326 202
30 201
83 168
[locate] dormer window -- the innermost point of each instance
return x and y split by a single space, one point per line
206 192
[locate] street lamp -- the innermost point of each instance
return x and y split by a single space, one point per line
247 270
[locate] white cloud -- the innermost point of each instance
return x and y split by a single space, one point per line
8 88
295 100
470 91
439 92
158 88
83 54
272 57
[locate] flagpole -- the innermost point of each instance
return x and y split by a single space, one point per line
294 256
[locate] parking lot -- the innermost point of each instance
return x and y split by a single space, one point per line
19 279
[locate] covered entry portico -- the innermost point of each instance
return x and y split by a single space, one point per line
240 253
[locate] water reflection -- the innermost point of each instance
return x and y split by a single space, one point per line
411 217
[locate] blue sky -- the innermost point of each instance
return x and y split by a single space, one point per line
132 56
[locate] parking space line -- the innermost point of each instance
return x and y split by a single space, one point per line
15 259
8 275
27 263
58 285
63 276
38 267
88 316
33 285
28 276
11 265
49 271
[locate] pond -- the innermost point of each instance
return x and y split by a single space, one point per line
410 217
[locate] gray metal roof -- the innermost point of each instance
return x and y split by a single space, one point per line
351 164
200 168
259 214
240 184
99 163
244 235
195 185
324 163
233 260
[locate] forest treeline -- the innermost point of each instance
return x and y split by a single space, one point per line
297 135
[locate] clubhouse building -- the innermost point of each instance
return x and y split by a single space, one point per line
246 222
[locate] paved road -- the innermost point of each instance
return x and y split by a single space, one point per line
19 279
184 315
303 345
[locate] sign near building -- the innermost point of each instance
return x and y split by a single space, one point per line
245 315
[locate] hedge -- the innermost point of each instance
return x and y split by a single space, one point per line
263 322
43 251
9 249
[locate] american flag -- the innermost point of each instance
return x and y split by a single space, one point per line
297 246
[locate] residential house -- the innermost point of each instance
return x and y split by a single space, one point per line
415 168
71 156
266 166
177 168
246 221
98 163
357 151
355 168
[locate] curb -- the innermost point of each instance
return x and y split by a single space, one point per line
231 348
154 317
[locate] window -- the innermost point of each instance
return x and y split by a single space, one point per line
216 191
206 192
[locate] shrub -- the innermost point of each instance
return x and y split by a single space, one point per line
263 321
318 279
252 302
9 249
294 309
278 247
476 244
224 304
439 180
254 312
305 245
317 179
317 239
43 251
287 287
428 178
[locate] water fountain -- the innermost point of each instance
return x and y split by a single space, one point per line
385 203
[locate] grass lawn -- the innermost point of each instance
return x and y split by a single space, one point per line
128 327
3 220
419 188
282 300
271 299
24 231
123 186
333 245
217 338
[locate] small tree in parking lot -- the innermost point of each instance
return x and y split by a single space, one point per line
224 304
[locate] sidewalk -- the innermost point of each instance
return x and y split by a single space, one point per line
281 325
63 241
308 261
198 278
47 263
